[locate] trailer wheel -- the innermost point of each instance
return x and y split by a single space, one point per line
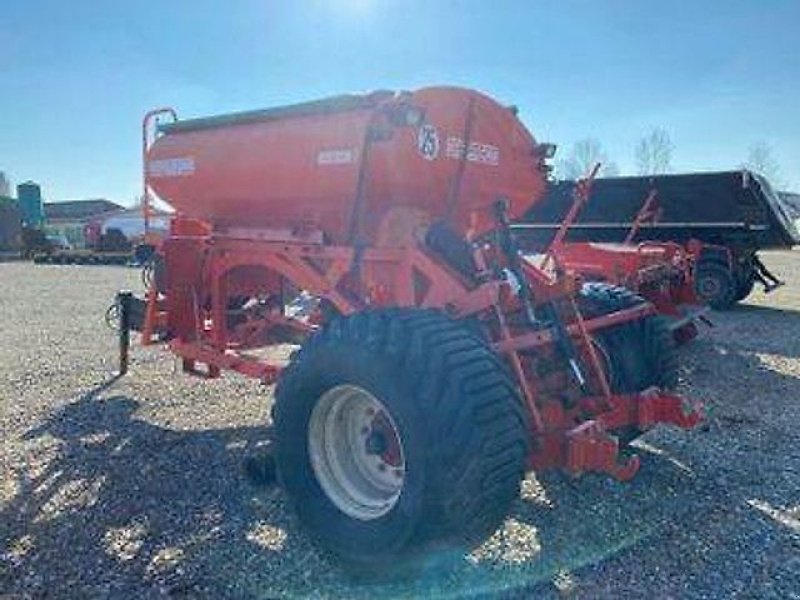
395 431
745 280
715 285
744 288
640 354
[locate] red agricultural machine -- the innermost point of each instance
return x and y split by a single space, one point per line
437 365
660 272
732 215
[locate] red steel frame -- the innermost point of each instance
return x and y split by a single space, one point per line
662 272
207 268
564 437
648 212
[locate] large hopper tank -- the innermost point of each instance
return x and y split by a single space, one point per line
360 166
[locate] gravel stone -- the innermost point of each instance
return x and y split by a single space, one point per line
137 488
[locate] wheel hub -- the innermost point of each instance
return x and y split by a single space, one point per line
356 452
709 287
375 443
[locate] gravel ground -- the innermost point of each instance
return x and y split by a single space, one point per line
134 488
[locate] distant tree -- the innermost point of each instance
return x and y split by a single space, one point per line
5 185
583 156
654 153
761 161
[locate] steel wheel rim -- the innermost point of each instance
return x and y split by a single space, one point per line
356 452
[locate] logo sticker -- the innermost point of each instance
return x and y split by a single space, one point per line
428 142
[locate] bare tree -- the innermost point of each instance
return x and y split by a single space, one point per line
654 153
761 161
5 185
583 156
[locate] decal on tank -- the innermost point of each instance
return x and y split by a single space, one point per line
477 152
171 167
341 156
428 142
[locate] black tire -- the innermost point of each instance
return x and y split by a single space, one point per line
744 288
641 353
458 415
745 280
715 285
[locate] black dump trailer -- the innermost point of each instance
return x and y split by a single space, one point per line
734 213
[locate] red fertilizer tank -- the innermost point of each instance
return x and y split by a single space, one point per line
373 167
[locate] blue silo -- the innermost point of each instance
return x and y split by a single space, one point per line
29 196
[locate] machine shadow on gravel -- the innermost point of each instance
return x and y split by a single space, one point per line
727 489
690 492
120 501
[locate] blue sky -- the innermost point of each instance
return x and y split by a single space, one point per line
76 76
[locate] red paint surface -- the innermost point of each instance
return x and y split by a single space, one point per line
267 174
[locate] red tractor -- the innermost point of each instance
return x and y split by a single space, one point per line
437 365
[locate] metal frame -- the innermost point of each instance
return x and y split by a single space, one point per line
662 272
149 122
577 439
209 269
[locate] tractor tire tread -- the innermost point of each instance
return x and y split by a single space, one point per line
463 389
